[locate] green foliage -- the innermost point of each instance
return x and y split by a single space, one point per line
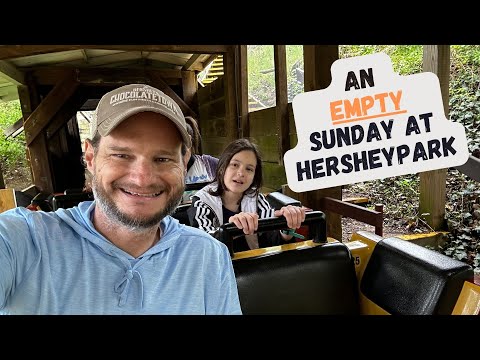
406 59
261 74
12 150
261 78
465 91
400 195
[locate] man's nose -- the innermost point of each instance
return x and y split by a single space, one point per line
143 171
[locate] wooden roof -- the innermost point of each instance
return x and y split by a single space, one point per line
46 62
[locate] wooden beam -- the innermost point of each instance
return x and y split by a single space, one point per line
32 91
242 92
2 181
209 60
104 76
317 62
25 104
158 82
14 129
112 77
104 59
85 56
43 114
194 59
26 98
436 59
11 73
281 108
64 115
357 212
15 51
189 87
231 110
39 160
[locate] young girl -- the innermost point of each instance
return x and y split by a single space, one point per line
235 197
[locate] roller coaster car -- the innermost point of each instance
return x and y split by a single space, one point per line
368 275
51 202
71 197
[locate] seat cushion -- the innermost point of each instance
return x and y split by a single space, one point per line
407 279
309 280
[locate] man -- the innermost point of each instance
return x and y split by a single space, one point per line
122 253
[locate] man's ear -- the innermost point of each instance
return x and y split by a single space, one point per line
89 155
186 157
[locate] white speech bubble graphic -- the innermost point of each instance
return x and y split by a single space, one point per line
371 123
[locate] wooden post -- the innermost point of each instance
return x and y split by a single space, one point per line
2 182
379 227
231 109
26 97
190 86
436 59
241 65
281 108
317 62
35 130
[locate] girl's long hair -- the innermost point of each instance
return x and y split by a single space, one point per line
233 148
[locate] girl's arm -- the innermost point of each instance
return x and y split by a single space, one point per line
202 216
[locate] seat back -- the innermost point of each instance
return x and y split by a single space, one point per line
311 278
407 279
69 199
277 200
181 214
307 277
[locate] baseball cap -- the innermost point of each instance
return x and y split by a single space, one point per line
125 101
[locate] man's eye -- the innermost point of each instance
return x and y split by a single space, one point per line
121 156
162 160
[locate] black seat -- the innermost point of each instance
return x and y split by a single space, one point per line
181 215
69 199
407 279
277 200
311 279
308 277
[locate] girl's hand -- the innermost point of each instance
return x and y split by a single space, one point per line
246 221
295 215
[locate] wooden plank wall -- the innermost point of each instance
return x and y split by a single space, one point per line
211 108
211 105
264 133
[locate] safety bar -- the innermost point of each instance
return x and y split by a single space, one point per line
315 220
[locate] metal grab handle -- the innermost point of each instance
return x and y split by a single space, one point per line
315 220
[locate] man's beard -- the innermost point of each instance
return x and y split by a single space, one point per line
117 217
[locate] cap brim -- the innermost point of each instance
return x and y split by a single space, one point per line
113 121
